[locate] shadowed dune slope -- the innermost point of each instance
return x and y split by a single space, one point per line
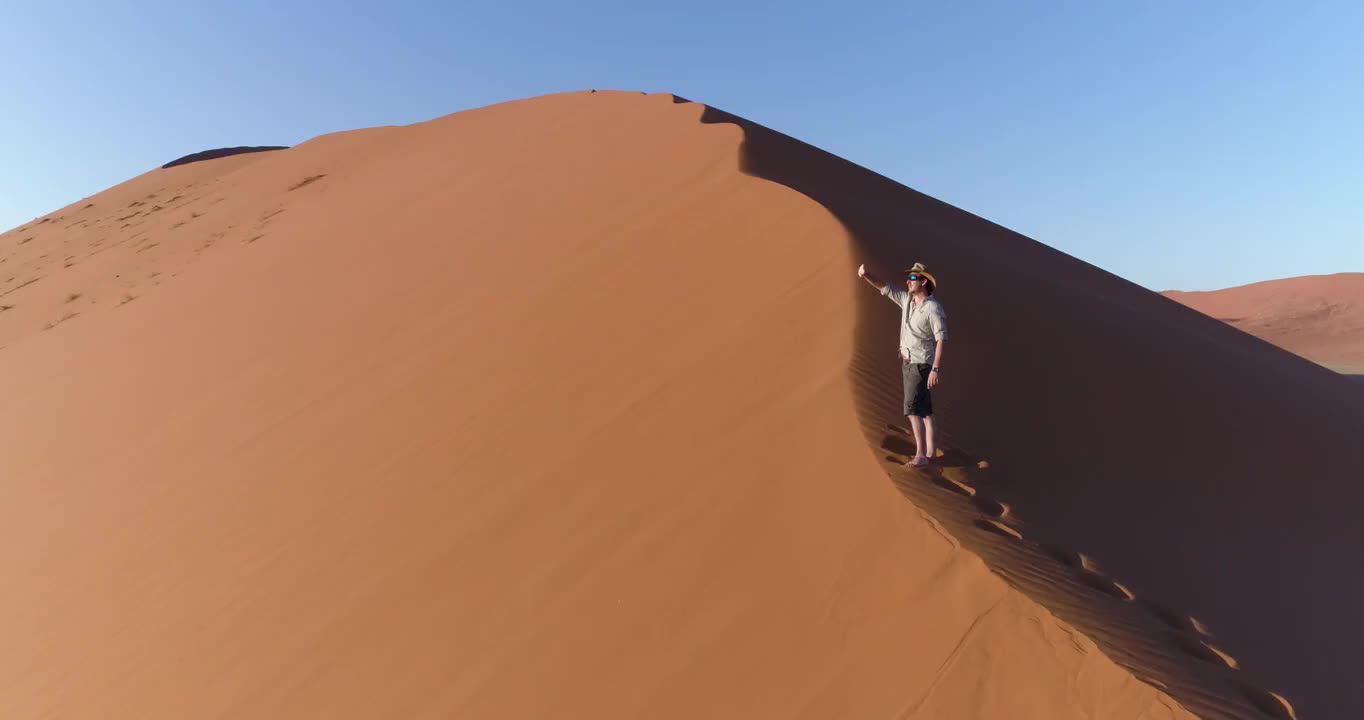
1213 474
563 406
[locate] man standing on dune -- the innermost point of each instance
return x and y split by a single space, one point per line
923 330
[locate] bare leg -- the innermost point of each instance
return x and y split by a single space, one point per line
930 447
917 424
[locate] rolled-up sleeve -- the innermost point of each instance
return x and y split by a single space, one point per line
938 321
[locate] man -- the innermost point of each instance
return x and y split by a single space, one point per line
923 330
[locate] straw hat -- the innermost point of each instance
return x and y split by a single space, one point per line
918 269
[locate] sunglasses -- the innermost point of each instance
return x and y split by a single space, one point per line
913 277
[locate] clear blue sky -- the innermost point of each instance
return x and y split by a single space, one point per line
1184 145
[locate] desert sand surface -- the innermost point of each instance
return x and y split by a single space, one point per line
574 406
1320 317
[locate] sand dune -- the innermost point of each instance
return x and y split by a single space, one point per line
220 153
574 407
1320 317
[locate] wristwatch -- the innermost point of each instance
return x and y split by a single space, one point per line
934 370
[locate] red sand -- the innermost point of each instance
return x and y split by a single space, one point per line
571 407
1320 317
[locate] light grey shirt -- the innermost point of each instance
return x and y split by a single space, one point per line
922 325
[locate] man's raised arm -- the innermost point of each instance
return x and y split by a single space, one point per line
872 279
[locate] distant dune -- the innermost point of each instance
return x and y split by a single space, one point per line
220 153
574 407
1320 317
